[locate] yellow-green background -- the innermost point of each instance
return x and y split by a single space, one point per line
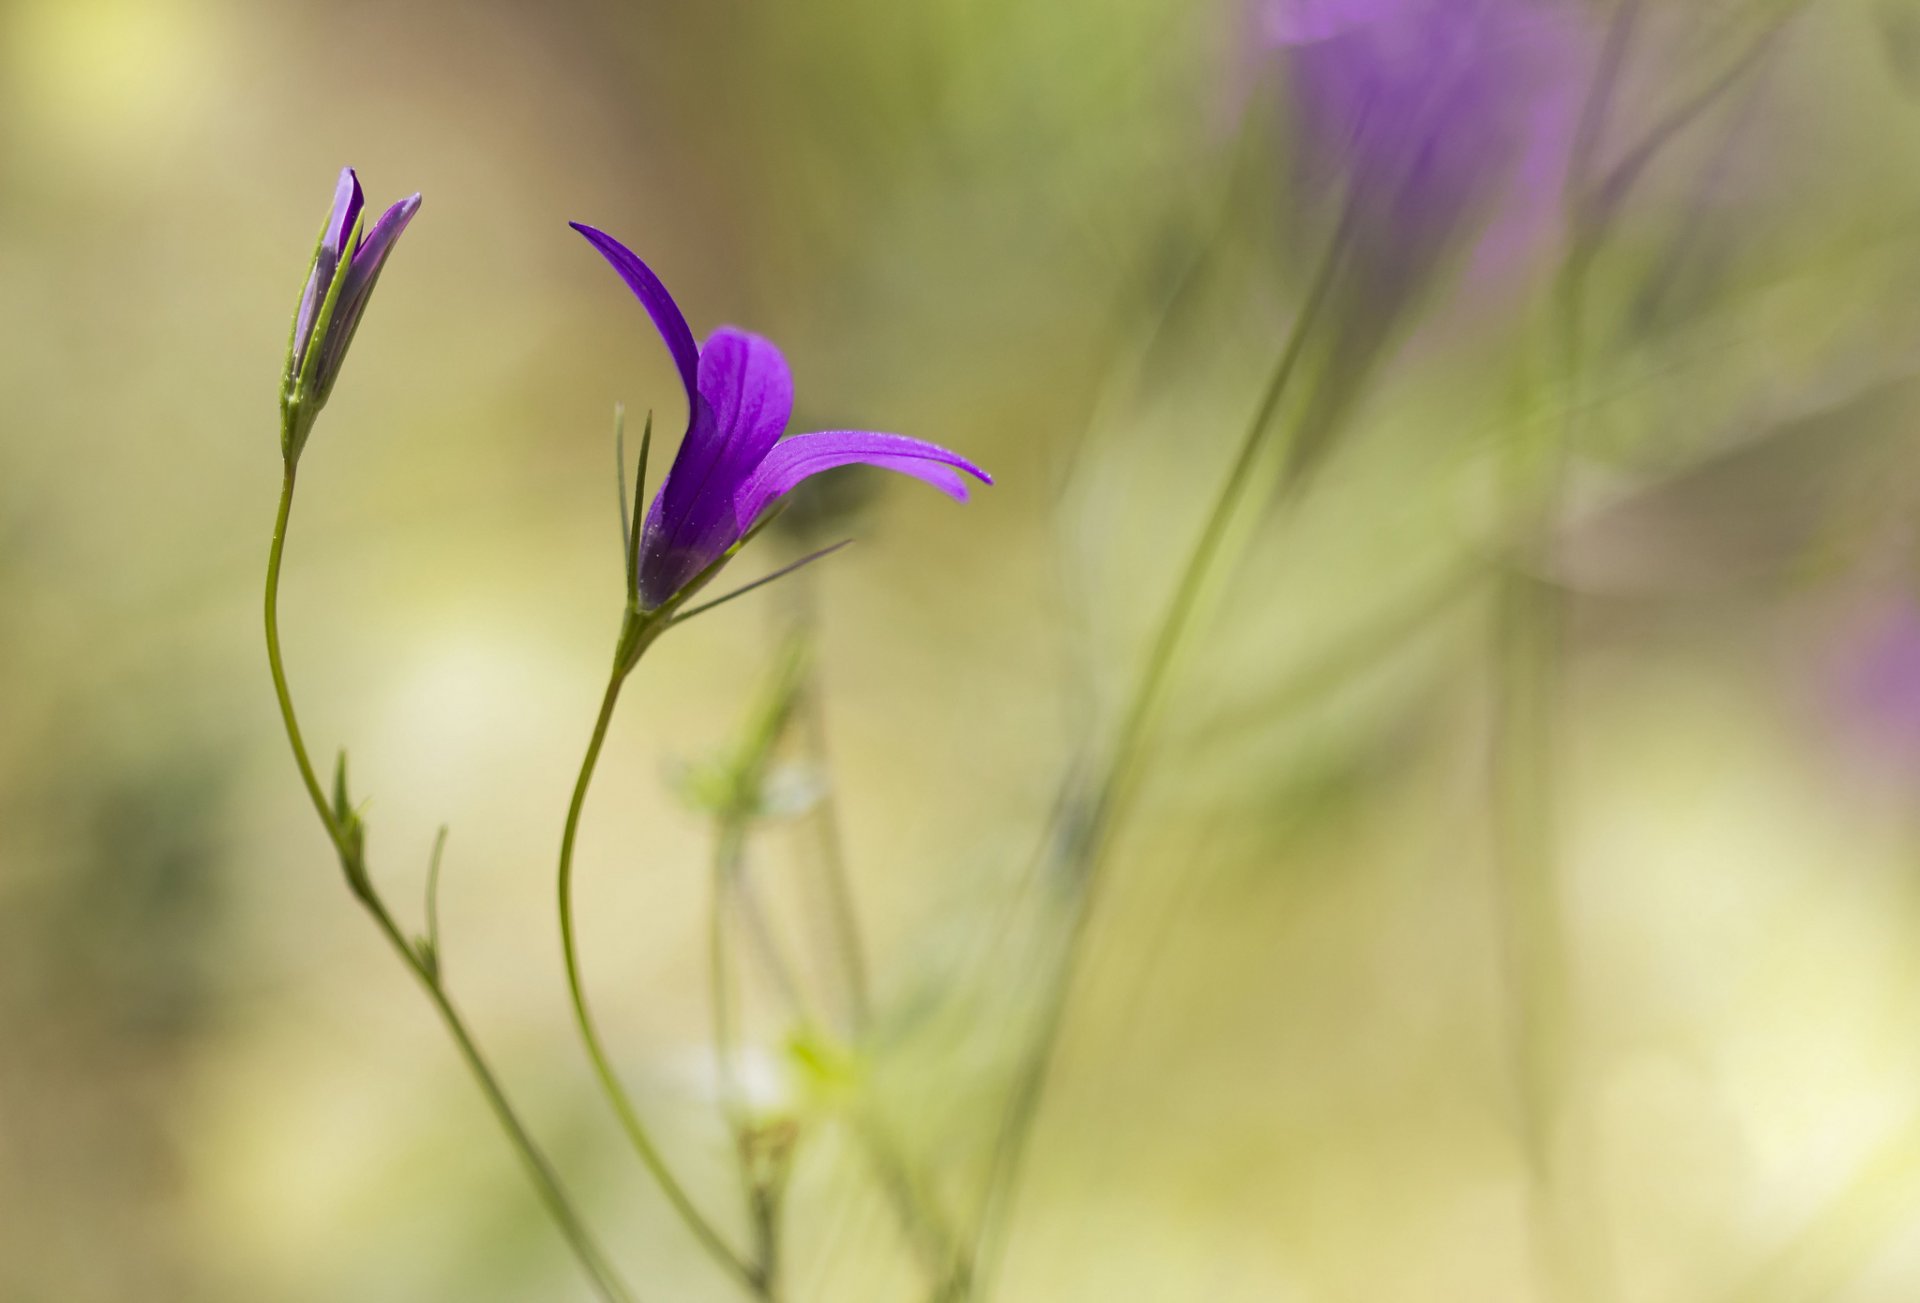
1289 1073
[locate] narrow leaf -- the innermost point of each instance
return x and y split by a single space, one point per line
761 582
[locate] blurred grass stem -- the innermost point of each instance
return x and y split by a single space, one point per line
762 1212
1523 771
726 860
1530 614
834 936
1088 847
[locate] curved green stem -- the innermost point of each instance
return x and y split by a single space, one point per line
606 1281
633 636
277 665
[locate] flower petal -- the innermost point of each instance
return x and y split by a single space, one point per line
945 478
653 296
745 398
357 288
748 388
374 245
347 202
793 460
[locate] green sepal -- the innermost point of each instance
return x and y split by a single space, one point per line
687 590
620 487
328 380
639 524
351 828
287 377
342 808
428 946
302 399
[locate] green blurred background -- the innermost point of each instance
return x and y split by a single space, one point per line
1434 961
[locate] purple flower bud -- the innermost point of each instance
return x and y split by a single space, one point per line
347 202
340 280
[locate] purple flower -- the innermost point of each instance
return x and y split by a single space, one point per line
1418 114
1429 108
1876 679
732 464
1424 101
340 280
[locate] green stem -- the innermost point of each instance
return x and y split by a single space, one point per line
276 663
847 944
727 850
546 1181
761 1187
1090 846
775 966
765 1199
632 639
925 1227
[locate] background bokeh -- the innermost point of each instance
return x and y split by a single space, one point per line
1522 897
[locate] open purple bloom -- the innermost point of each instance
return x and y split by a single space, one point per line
733 464
339 283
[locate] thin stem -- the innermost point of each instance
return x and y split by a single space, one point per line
774 964
433 896
833 932
763 1211
639 509
616 1094
620 487
277 665
762 1152
1172 627
1594 114
545 1179
1090 846
1604 198
923 1225
767 1201
847 944
766 724
921 1221
1526 775
726 855
606 1281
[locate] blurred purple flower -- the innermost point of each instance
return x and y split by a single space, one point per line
1299 22
1424 104
732 463
340 281
1877 679
1424 111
